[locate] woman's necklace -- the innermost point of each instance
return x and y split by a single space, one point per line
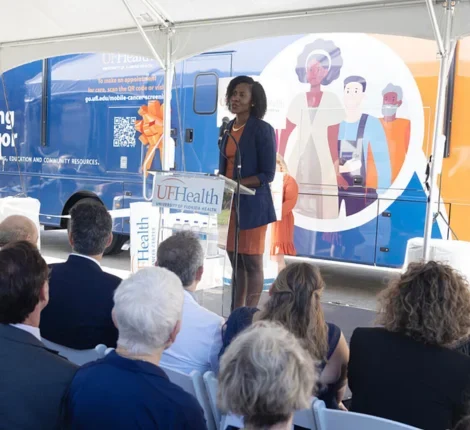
239 128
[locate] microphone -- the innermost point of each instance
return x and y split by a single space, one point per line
223 129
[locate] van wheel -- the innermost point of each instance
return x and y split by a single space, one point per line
116 245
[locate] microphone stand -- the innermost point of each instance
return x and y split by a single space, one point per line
238 176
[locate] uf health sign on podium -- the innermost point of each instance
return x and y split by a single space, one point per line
189 193
173 193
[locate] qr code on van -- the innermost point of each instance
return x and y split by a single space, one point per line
124 132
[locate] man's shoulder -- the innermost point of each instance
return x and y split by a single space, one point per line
70 266
195 310
58 363
36 355
112 278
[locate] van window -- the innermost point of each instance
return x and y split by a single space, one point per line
205 93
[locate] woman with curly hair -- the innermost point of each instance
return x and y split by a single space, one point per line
295 302
312 112
412 369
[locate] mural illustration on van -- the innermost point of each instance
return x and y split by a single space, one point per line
352 130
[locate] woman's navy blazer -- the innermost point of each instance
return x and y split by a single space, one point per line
258 158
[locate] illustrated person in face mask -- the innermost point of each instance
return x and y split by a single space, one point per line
396 129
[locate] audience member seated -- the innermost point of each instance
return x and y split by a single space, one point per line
16 228
295 303
200 339
406 370
33 378
265 376
81 293
127 389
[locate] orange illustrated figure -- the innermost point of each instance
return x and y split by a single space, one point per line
282 232
151 129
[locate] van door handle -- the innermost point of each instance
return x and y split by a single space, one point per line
189 135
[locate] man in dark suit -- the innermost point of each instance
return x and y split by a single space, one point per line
81 293
33 378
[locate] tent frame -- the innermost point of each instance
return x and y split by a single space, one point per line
445 47
167 63
445 50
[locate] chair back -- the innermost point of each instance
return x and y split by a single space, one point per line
77 356
211 383
329 419
231 420
194 385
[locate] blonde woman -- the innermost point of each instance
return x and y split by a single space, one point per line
265 376
282 232
295 303
411 370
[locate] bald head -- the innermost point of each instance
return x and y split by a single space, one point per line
18 227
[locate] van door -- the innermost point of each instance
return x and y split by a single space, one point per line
198 150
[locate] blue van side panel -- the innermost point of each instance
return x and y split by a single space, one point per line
381 241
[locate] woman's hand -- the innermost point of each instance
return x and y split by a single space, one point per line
341 407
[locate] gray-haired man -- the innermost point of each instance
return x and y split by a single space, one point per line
200 339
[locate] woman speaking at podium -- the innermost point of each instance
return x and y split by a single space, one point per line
256 142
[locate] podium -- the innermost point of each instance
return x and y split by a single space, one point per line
201 203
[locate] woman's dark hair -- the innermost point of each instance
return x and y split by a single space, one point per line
258 95
430 302
333 61
23 273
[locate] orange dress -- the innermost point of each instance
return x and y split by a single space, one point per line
250 242
282 232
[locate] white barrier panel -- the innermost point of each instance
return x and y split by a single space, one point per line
452 252
144 220
25 206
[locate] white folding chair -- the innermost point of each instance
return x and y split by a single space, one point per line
193 384
77 356
329 419
211 383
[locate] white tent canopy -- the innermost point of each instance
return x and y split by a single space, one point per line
35 29
176 29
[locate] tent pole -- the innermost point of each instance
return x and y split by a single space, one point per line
167 163
444 47
143 34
